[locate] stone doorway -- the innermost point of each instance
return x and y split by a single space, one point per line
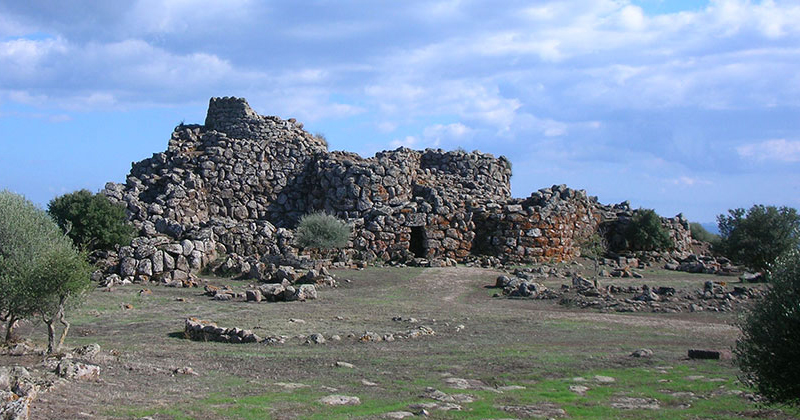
417 244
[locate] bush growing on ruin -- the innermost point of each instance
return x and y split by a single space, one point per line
91 220
322 231
756 237
322 139
40 270
646 233
700 233
769 346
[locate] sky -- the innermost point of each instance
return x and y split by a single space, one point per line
683 106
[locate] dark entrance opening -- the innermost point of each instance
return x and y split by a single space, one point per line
417 245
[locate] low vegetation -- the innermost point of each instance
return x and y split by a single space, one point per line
322 231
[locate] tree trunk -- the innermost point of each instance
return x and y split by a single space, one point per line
12 322
51 334
63 320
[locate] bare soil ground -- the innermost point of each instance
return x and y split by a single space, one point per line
519 358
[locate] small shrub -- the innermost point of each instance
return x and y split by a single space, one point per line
769 347
322 139
757 237
594 247
91 220
700 233
646 233
322 231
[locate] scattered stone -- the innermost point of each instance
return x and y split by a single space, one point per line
642 353
542 410
437 395
87 352
315 338
368 383
603 379
398 415
71 369
344 365
253 295
290 385
185 370
340 400
633 403
510 388
578 389
423 407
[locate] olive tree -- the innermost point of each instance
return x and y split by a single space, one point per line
40 270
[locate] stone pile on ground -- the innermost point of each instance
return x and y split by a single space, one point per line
17 392
715 297
704 264
19 386
200 330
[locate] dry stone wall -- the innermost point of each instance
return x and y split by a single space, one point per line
241 181
547 226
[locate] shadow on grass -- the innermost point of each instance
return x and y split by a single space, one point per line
179 335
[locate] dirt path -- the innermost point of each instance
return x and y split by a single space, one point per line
450 283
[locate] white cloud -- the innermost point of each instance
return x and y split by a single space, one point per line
778 150
689 181
164 17
408 141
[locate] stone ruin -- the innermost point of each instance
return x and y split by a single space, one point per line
238 184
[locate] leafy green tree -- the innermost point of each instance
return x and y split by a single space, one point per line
91 220
769 347
40 270
322 231
756 237
646 233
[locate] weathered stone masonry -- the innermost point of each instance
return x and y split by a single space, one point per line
241 181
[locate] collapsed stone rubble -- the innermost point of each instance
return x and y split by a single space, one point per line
204 330
20 386
583 293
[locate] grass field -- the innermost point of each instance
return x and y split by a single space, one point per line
520 358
